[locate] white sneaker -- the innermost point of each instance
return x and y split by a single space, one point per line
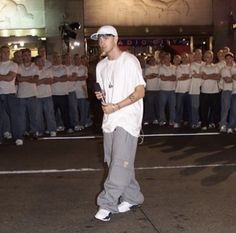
79 127
155 122
70 130
126 206
212 126
223 129
176 125
204 128
53 134
19 142
7 135
60 128
103 215
229 130
88 124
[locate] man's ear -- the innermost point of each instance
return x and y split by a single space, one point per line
116 39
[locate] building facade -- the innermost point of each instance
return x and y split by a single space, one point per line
142 24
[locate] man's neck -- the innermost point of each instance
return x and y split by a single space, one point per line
27 64
114 54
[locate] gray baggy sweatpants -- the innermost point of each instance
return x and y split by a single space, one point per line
119 149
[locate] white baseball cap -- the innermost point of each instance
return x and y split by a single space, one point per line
104 30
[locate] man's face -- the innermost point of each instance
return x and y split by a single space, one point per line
167 59
107 42
26 56
185 58
39 62
5 54
42 52
229 60
208 57
56 59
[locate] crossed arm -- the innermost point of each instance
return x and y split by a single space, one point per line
8 77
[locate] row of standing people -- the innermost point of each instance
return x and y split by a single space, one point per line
37 96
201 92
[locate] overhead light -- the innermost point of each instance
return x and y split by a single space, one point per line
22 43
33 32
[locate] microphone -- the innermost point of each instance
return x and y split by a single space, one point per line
98 88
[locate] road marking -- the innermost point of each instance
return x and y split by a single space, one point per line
141 135
76 170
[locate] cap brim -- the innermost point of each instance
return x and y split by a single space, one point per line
94 36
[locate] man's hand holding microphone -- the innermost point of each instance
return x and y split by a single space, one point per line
107 108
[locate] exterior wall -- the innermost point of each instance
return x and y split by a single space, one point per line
147 12
22 14
223 36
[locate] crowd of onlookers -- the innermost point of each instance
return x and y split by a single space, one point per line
194 89
41 97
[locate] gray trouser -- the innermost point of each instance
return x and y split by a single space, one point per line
120 149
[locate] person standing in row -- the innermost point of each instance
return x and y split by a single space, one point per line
45 113
151 104
120 77
27 78
8 101
60 90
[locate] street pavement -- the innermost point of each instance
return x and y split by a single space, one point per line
188 181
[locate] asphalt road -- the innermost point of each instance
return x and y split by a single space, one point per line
188 180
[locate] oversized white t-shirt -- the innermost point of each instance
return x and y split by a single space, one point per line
5 68
71 84
59 88
210 86
225 72
44 90
167 71
119 78
152 84
233 72
221 64
81 86
182 86
195 87
26 89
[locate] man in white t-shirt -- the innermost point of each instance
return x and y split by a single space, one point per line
72 101
182 91
167 74
82 93
232 115
226 83
45 104
195 87
123 87
8 101
151 109
27 78
60 90
209 97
